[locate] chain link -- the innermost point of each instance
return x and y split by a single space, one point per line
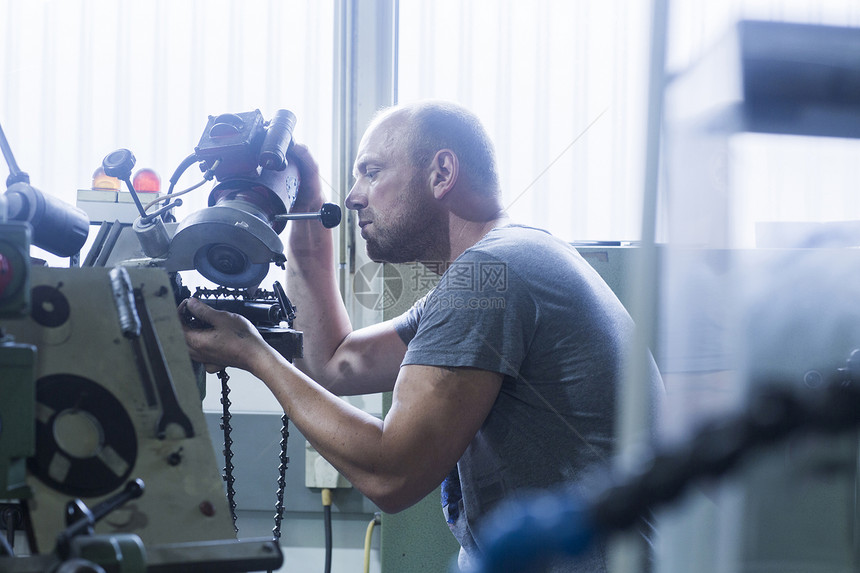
228 477
236 294
289 313
282 480
228 445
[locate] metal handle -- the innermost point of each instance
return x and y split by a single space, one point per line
329 216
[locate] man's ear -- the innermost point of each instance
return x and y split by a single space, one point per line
444 172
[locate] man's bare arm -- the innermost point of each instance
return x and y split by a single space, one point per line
395 462
435 412
339 359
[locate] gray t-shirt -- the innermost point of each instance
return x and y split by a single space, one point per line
525 304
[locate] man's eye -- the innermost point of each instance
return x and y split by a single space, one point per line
371 174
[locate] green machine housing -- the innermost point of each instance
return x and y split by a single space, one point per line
17 365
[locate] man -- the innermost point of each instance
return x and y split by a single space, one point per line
504 376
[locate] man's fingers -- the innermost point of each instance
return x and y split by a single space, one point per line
182 311
200 311
304 156
213 368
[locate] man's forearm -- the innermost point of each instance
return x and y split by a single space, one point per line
312 287
397 461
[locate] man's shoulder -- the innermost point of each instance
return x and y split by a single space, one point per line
512 239
520 247
519 232
506 263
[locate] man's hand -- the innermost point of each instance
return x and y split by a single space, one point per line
220 339
310 197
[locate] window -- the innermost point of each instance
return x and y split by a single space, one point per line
560 86
85 77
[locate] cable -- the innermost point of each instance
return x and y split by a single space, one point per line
373 523
326 501
185 164
176 194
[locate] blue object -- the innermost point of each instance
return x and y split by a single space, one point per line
522 533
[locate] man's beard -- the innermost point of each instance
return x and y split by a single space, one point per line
418 233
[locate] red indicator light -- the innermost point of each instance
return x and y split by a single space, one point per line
146 181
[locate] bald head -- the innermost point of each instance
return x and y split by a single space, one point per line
421 129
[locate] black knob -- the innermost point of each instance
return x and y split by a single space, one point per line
119 164
330 215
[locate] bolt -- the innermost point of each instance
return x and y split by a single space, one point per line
175 458
207 508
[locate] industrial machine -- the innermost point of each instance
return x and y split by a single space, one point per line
105 460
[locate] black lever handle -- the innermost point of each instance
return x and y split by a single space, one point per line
80 519
329 216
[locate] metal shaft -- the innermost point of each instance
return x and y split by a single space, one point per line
15 173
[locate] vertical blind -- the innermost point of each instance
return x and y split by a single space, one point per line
84 77
561 88
560 84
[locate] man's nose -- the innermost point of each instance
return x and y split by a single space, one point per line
356 199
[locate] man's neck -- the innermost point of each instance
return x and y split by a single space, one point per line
464 234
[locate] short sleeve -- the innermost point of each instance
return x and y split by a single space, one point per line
406 325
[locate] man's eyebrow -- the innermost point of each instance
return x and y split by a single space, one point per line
361 165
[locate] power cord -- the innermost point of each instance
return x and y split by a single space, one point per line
367 538
326 501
